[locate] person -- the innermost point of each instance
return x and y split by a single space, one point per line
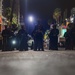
6 35
67 40
38 39
22 34
72 34
53 35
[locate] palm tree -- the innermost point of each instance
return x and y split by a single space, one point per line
12 8
8 13
57 14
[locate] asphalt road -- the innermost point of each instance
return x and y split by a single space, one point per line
37 63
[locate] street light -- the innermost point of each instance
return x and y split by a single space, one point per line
30 18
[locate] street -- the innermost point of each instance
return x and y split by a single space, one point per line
37 62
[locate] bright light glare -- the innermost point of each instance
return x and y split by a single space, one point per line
13 42
31 18
66 19
72 20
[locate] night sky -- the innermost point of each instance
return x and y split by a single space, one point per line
45 8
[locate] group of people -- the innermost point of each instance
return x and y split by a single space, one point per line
21 39
38 36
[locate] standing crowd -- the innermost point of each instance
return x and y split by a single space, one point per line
38 36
